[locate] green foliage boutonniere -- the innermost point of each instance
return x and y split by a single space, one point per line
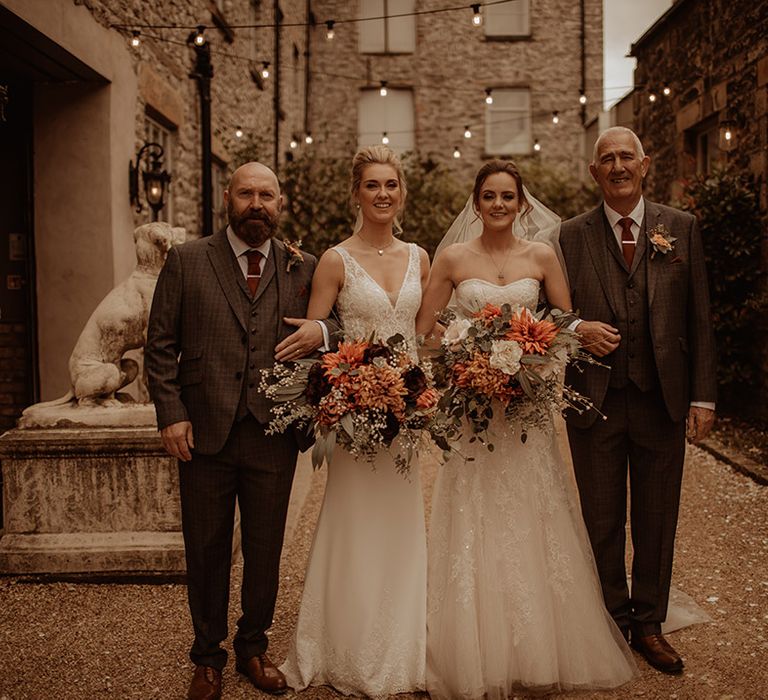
661 240
294 254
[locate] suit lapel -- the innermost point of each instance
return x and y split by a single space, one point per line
596 232
228 273
652 218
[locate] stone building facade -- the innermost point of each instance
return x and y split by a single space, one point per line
713 58
534 57
80 101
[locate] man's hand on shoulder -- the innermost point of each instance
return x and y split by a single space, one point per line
178 440
599 338
302 342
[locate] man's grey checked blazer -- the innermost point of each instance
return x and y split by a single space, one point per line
681 343
205 333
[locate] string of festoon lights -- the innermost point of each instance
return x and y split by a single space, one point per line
554 116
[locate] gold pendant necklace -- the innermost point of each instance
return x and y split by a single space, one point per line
499 270
379 250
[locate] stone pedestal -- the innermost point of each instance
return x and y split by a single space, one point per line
89 500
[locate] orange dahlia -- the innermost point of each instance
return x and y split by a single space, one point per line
488 313
532 335
478 374
349 353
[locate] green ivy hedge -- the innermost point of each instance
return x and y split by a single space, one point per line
727 207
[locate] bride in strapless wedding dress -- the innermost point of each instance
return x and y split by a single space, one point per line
514 603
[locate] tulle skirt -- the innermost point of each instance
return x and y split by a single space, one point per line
514 600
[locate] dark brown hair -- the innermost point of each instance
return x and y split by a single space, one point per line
500 166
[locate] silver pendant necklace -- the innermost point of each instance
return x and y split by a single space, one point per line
379 250
499 270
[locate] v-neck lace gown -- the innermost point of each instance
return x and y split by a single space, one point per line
514 603
362 620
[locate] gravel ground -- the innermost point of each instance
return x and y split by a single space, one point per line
92 641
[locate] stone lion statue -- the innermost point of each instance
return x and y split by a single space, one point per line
97 366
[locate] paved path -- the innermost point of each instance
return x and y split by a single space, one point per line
86 641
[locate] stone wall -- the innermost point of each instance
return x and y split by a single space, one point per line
713 56
448 73
167 92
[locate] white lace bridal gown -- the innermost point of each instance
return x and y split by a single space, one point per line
362 621
514 602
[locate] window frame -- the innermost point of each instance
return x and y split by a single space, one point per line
385 51
522 36
489 152
392 131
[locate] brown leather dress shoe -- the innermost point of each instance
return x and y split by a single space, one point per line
263 674
206 684
658 652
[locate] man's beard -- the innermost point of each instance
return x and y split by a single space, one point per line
252 227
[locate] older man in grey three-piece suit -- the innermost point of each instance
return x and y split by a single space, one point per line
636 270
222 308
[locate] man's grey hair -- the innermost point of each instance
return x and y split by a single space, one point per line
612 131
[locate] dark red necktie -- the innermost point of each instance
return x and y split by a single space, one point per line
628 244
254 270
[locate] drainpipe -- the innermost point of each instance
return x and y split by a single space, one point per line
278 20
203 73
583 60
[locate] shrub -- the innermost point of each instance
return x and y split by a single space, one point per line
726 205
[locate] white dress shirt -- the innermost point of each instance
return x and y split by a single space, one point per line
240 248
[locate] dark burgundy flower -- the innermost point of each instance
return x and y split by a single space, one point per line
375 350
415 383
392 428
317 384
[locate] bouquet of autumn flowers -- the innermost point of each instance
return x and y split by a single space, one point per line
360 397
506 357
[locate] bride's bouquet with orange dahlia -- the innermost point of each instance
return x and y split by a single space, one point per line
360 397
504 357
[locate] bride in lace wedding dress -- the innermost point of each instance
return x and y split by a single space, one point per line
362 621
514 600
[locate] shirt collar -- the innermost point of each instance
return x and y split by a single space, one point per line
240 247
636 214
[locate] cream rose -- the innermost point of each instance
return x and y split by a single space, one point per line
505 355
456 331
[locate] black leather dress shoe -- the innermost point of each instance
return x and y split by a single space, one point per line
206 684
658 652
263 674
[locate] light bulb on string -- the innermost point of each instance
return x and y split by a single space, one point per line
666 90
265 69
652 97
308 139
555 117
537 146
383 88
200 35
238 133
456 152
136 40
488 96
385 138
477 18
329 33
467 132
294 142
582 97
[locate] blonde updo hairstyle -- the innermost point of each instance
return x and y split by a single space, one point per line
375 155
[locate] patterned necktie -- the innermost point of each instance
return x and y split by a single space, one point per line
628 244
254 270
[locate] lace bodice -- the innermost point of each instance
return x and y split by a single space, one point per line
472 294
365 308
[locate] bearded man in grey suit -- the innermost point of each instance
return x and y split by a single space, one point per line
223 307
636 268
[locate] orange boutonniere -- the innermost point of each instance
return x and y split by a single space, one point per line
662 241
294 254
